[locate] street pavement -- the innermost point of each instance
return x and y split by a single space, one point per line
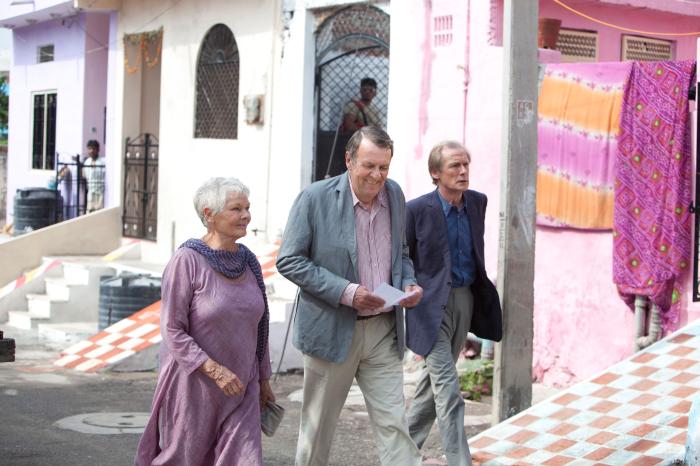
35 395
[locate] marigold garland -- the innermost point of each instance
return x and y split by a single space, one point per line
143 41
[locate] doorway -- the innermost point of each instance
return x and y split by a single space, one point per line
142 63
351 44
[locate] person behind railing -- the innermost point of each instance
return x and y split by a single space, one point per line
64 182
94 174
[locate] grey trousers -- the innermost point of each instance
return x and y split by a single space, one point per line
372 360
437 392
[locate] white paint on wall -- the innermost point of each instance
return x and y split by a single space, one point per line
185 162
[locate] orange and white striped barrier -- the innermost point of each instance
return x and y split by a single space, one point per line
28 277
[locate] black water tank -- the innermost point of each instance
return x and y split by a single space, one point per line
36 208
125 294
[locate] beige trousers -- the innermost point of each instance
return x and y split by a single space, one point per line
373 361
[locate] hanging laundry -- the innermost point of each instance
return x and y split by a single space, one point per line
578 125
652 225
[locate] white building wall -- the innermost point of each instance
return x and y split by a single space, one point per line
185 162
291 166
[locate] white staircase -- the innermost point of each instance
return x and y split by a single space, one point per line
67 307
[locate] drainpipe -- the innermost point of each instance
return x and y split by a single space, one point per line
642 340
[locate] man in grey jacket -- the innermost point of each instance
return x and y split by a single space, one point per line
345 236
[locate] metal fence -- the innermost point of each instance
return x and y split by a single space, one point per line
79 187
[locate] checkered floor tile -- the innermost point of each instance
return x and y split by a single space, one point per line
635 413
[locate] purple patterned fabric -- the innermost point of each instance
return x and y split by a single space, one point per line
651 228
232 265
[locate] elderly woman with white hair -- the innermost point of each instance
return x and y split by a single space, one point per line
214 360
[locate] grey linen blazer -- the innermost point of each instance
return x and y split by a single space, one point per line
319 254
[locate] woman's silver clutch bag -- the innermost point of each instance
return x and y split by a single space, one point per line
271 417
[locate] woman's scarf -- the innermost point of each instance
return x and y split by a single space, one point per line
232 265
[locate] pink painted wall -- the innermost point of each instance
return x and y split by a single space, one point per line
629 14
581 326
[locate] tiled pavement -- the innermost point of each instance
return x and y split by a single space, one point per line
634 413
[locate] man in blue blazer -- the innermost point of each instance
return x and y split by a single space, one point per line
344 237
445 235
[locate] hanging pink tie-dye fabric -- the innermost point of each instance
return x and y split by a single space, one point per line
579 122
651 224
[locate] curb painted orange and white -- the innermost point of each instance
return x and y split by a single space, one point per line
51 264
28 277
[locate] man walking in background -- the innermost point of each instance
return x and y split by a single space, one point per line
445 236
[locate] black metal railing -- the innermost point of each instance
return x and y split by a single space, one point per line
76 183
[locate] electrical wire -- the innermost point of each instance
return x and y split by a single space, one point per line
622 28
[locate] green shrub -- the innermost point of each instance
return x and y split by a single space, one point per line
476 378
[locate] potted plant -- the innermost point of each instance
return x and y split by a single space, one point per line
548 32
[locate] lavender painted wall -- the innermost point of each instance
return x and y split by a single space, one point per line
581 326
66 75
96 54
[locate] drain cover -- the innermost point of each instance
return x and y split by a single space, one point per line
117 420
105 423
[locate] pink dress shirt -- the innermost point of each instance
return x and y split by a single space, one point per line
373 239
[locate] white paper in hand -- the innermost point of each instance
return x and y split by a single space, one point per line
391 295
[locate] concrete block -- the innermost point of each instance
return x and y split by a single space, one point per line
71 332
279 329
145 360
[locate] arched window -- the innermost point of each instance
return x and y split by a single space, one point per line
216 112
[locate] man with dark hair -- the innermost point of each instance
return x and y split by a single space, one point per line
360 113
344 238
445 235
94 173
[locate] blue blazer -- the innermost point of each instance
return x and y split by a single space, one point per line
426 235
319 254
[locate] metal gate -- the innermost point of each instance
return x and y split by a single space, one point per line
140 219
351 44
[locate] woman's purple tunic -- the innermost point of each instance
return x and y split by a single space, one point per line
205 315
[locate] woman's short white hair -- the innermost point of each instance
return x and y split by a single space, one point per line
213 194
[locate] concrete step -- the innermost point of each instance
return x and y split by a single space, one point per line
42 304
58 289
24 319
70 332
76 274
82 307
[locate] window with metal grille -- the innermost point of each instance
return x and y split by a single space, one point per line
639 48
577 45
216 112
44 53
44 131
442 30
